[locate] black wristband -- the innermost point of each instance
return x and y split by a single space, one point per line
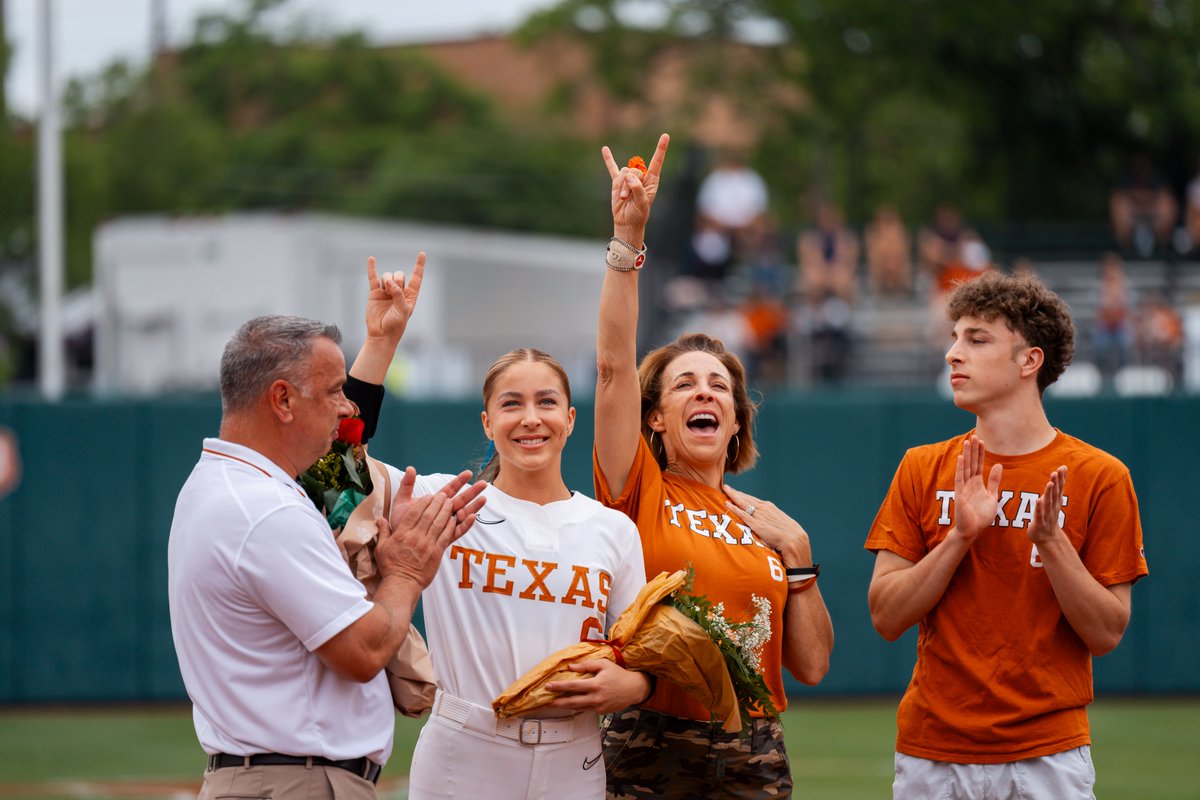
369 399
803 573
653 686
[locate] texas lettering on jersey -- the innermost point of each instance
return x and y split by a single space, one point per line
499 573
1008 514
716 527
711 526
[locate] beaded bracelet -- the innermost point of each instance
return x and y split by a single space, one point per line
624 257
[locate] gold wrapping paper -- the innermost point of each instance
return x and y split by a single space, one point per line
653 638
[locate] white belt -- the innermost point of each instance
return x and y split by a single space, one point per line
525 730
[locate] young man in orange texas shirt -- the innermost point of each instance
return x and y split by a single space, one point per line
1016 561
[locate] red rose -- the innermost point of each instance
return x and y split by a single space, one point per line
350 430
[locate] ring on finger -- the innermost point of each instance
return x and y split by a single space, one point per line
750 509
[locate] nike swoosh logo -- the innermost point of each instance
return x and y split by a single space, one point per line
483 521
588 763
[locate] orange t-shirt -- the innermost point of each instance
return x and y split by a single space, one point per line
683 522
1001 675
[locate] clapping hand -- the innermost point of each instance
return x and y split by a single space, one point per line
1045 513
975 502
412 541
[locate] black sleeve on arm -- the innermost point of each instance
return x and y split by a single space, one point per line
369 399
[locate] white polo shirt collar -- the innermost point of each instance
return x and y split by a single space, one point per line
214 448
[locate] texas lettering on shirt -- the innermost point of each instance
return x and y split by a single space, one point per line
1008 513
700 522
716 527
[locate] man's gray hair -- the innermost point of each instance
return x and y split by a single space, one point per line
267 349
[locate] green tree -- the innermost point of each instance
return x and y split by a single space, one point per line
251 115
1020 111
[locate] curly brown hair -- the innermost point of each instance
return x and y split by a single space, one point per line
1029 308
741 452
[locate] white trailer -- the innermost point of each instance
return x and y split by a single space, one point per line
171 290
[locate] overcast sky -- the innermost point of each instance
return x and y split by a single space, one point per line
91 33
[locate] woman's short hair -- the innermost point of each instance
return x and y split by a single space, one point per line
741 452
490 467
1028 308
267 349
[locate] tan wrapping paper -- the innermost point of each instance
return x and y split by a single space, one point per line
657 639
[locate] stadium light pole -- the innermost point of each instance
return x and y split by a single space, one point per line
51 357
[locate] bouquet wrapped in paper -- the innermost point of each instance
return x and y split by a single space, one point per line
352 489
652 635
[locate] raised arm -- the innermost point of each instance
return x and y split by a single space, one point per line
618 398
390 302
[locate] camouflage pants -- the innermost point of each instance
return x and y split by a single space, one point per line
653 755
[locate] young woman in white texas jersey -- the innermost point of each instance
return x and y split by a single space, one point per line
542 568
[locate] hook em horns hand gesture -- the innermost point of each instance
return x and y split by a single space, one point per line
392 300
633 193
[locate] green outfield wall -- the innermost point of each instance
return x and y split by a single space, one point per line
83 537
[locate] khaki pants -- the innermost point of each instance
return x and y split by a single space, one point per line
285 782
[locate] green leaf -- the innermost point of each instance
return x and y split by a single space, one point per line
351 469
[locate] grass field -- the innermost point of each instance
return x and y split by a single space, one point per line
841 750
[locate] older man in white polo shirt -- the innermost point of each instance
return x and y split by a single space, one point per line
281 652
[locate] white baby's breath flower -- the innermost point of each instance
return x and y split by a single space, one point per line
752 636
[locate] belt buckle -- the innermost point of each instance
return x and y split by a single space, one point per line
521 732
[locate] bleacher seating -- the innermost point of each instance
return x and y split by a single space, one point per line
892 346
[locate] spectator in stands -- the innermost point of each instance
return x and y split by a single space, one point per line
1192 217
712 251
731 201
1023 267
1112 335
974 259
766 318
1142 208
828 257
713 310
940 247
889 254
1160 336
764 263
828 280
